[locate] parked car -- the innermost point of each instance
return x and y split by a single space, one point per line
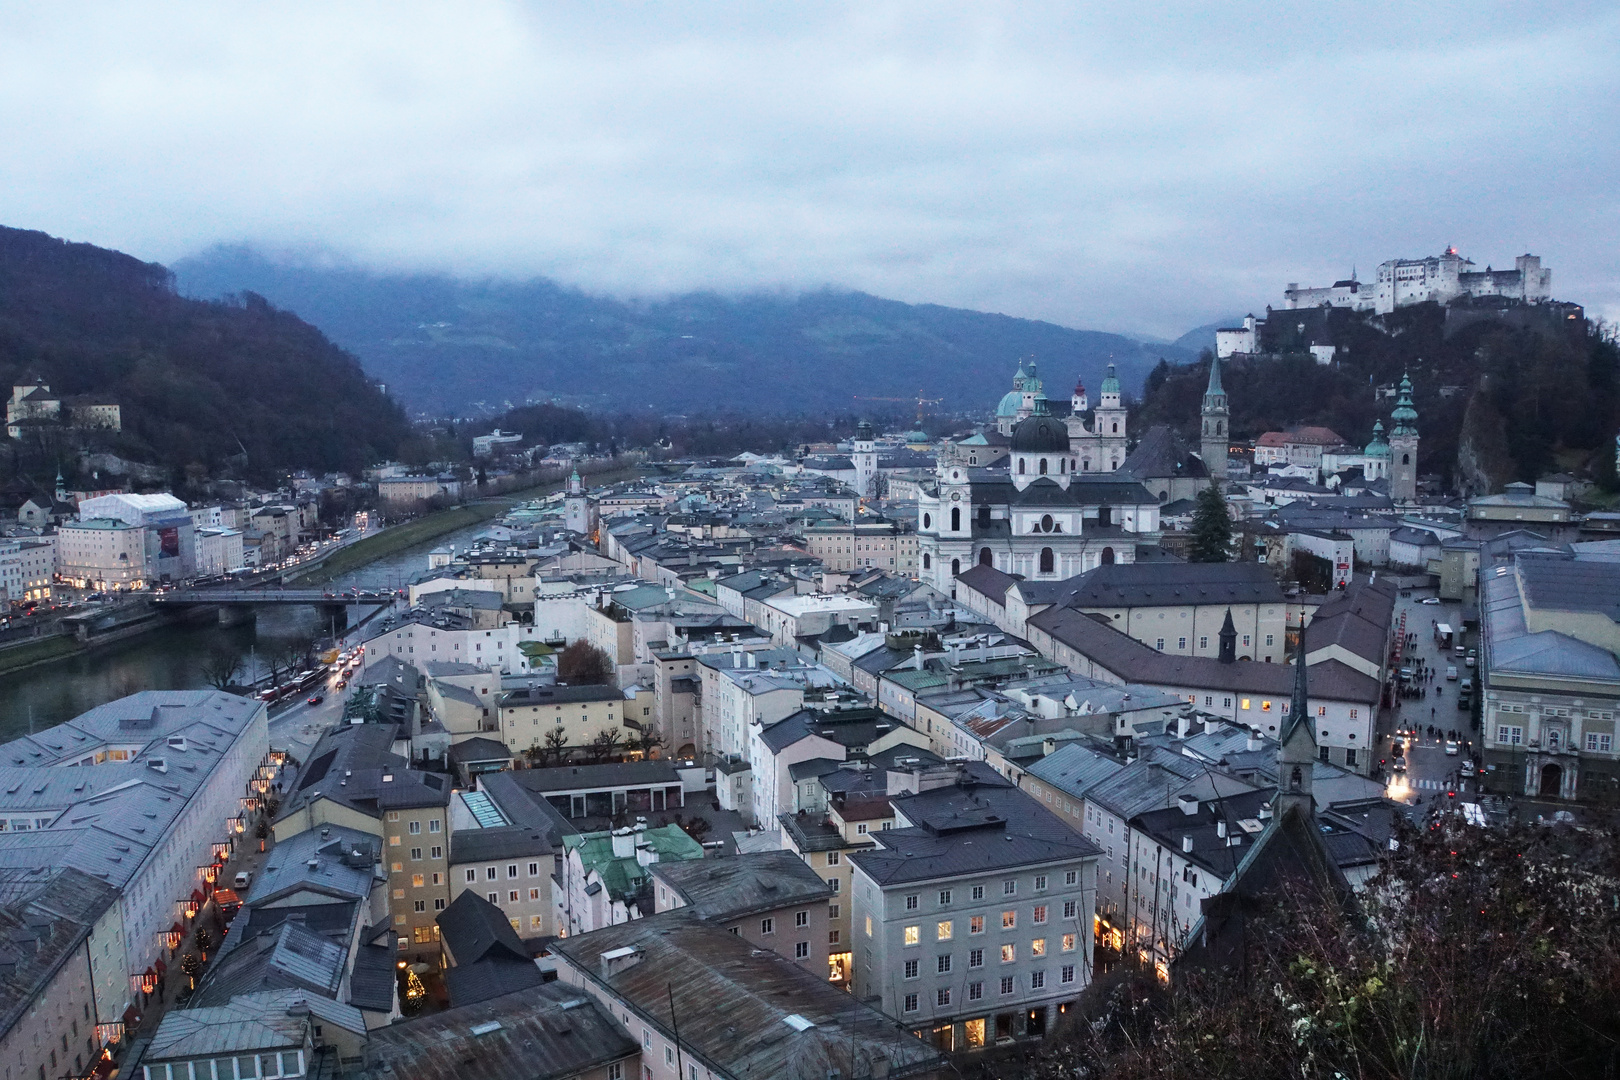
1468 686
1451 672
244 878
1429 600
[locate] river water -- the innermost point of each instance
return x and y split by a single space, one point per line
172 658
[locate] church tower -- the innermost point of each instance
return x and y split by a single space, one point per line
1109 424
1403 448
1296 752
1077 401
864 458
577 507
1214 435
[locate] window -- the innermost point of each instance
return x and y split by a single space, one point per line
1040 913
1009 887
1350 757
944 897
975 991
1009 919
1037 947
834 858
534 869
414 828
472 875
832 911
534 894
433 826
1009 953
416 881
801 919
1069 905
976 924
393 815
1599 742
1068 942
911 1003
1203 643
1159 644
1181 643
942 964
489 873
512 897
869 926
511 870
1040 882
975 958
1046 560
1037 979
942 996
1265 706
911 902
801 950
437 851
1322 752
835 884
943 929
1068 973
1071 877
913 935
767 926
425 935
978 892
615 1072
494 897
832 937
860 828
438 904
416 854
1512 736
1006 984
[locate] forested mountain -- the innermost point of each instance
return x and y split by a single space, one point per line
1501 395
206 388
443 344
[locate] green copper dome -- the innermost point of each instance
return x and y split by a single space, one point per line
1405 416
1378 447
1110 384
1010 403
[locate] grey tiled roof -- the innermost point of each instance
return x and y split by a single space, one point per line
1074 769
598 777
723 889
501 842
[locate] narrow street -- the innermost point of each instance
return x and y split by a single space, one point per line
1431 776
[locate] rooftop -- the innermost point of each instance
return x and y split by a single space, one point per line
722 889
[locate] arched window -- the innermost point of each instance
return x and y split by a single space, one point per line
1063 466
928 521
1220 427
1086 465
985 558
1294 779
956 567
1046 560
1406 459
956 519
1116 427
1046 523
1108 556
928 561
1043 466
1020 466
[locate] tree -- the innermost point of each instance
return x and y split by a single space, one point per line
583 664
1474 952
646 741
192 965
221 668
1211 528
604 745
205 939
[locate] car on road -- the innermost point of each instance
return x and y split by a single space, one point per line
1451 748
1467 686
244 878
314 699
1429 600
1451 672
1399 764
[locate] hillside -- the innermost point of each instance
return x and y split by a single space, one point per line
206 389
443 344
1518 398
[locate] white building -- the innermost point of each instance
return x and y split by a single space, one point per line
102 553
1439 278
421 638
147 793
26 569
218 550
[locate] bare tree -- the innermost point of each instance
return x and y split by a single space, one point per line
604 746
222 668
583 664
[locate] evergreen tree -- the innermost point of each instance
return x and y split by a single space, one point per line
1211 528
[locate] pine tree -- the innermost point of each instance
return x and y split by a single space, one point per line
1211 528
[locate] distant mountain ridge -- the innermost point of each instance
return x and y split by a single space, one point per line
205 388
442 344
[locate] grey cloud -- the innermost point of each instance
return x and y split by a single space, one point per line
1142 167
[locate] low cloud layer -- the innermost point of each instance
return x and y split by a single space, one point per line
1138 167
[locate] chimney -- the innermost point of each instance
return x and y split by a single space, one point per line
1265 812
1188 804
1220 828
1253 742
624 844
751 660
1186 844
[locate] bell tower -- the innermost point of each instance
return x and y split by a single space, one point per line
1214 433
1403 447
1296 751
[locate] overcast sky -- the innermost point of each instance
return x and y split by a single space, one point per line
1128 166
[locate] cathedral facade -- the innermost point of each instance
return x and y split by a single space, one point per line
1055 506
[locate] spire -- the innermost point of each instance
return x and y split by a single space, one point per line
1404 416
1296 751
1228 640
1214 378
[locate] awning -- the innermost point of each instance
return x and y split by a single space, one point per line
162 968
1444 628
132 1016
197 897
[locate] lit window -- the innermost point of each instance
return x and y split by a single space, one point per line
1009 919
1068 943
1040 913
1009 953
1038 947
913 935
976 924
1245 703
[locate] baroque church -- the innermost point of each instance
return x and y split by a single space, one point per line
1043 493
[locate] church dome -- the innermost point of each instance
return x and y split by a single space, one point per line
1040 434
1010 403
1378 447
1110 383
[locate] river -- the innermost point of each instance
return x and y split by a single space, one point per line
172 658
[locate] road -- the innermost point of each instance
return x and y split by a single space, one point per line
1431 774
298 727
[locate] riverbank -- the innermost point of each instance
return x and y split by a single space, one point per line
39 651
429 527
